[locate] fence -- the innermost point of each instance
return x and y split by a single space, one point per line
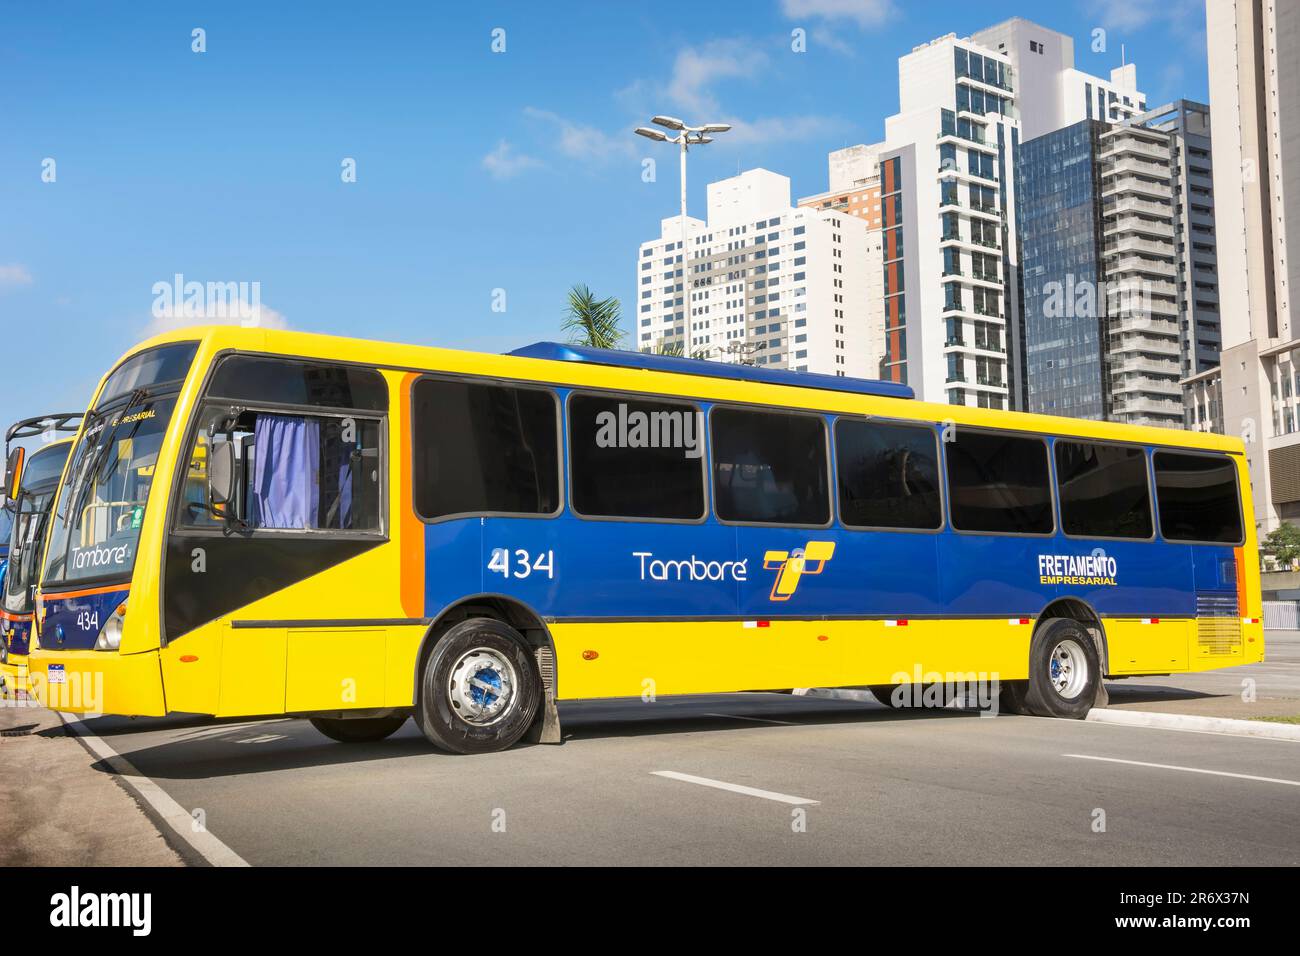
1282 615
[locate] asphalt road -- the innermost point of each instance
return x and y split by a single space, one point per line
839 782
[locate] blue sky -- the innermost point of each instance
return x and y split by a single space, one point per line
475 170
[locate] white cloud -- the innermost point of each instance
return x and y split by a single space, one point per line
249 314
13 276
505 162
697 69
779 129
864 13
1129 14
582 141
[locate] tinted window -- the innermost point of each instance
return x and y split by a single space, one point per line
635 459
1103 489
888 475
482 447
167 363
285 382
769 467
998 483
1197 496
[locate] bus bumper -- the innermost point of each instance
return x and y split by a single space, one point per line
97 682
13 678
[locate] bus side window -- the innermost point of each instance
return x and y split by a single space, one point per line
1198 499
635 458
888 475
294 472
769 467
1103 489
998 483
484 448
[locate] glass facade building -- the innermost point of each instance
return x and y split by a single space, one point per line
1059 220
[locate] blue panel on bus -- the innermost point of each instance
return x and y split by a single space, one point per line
558 352
73 622
567 567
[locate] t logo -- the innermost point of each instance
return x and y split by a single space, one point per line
790 566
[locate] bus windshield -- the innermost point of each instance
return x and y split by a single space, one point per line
100 506
40 481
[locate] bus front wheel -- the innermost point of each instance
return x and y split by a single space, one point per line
1063 672
480 690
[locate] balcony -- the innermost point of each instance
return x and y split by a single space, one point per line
1131 243
1139 264
1119 146
1112 185
1129 203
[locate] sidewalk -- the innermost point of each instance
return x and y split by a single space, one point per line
60 808
1275 682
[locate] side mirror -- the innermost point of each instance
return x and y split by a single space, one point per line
221 473
14 473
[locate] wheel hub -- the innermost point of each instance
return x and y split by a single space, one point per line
481 686
1068 669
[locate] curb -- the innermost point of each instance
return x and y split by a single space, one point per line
1200 725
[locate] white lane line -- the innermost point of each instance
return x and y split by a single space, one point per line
1167 766
759 720
734 788
177 817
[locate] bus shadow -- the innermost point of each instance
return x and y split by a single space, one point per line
199 748
1152 693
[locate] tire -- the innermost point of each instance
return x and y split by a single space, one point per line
358 730
475 718
1063 671
913 698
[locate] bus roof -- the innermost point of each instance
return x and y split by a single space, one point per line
559 352
701 381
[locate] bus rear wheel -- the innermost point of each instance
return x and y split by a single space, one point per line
358 730
1063 671
479 690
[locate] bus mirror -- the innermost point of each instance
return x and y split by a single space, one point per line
14 473
221 472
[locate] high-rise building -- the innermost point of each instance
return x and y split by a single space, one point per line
1188 124
947 197
1254 60
1051 92
854 177
760 281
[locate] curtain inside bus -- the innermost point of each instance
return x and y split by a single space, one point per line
285 489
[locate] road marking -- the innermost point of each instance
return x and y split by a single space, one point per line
177 817
1167 766
760 720
734 788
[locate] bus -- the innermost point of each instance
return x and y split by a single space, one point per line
265 522
30 483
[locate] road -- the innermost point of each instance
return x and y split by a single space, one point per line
839 782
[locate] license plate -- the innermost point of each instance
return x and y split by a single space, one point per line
57 674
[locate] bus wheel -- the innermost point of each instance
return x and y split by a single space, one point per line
480 689
1063 671
358 730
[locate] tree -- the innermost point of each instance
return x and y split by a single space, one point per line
592 322
1283 544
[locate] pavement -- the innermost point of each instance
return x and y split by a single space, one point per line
58 811
753 779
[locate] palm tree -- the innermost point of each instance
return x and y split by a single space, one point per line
592 322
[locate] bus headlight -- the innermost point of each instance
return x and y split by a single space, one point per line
110 635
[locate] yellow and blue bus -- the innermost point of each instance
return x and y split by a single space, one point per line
31 482
266 522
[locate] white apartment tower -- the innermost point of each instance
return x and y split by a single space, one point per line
761 282
947 200
1051 93
1254 59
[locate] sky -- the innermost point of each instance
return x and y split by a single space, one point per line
427 172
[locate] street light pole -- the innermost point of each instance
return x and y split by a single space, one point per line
687 136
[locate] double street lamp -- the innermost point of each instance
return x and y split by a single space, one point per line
687 136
